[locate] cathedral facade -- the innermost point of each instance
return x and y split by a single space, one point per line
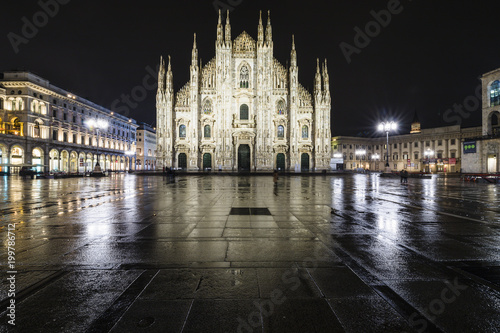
243 110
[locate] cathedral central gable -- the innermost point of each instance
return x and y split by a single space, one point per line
244 44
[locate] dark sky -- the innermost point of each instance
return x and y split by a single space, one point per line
427 58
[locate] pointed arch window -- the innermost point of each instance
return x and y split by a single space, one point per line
305 132
244 112
280 107
207 131
182 131
281 131
244 76
495 93
207 107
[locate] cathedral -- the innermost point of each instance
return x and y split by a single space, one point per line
243 110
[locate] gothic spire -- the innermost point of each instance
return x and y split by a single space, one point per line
228 28
194 54
260 34
317 86
326 78
170 80
269 30
161 75
220 32
293 55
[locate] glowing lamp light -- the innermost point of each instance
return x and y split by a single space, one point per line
99 123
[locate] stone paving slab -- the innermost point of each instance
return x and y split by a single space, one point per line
347 253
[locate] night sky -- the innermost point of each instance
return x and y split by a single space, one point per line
428 58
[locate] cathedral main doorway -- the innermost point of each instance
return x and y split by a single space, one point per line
304 162
244 158
207 161
280 162
182 161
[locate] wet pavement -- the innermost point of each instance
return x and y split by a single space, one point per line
342 253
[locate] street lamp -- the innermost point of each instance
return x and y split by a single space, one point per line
97 124
387 127
427 154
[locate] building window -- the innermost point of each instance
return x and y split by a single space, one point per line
405 145
74 138
65 116
495 93
395 145
416 144
416 156
452 141
305 132
36 130
207 132
427 143
281 107
244 76
65 137
207 106
182 131
54 135
281 131
440 142
244 112
439 155
453 155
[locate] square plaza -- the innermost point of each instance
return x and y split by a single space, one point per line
318 253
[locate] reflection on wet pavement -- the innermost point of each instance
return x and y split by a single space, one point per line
353 253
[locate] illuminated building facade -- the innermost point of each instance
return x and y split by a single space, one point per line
481 152
45 126
146 147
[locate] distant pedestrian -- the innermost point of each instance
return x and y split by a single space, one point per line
404 176
275 177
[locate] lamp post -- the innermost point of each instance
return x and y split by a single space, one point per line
387 127
97 124
427 154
